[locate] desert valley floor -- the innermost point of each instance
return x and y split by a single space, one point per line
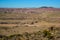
30 20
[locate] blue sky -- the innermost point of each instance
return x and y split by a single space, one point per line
28 3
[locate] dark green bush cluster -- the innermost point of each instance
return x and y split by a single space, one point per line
51 33
11 37
24 36
48 34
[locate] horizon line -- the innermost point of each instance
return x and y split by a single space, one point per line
32 7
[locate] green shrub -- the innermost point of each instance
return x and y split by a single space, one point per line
46 33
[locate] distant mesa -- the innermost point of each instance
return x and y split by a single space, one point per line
46 7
